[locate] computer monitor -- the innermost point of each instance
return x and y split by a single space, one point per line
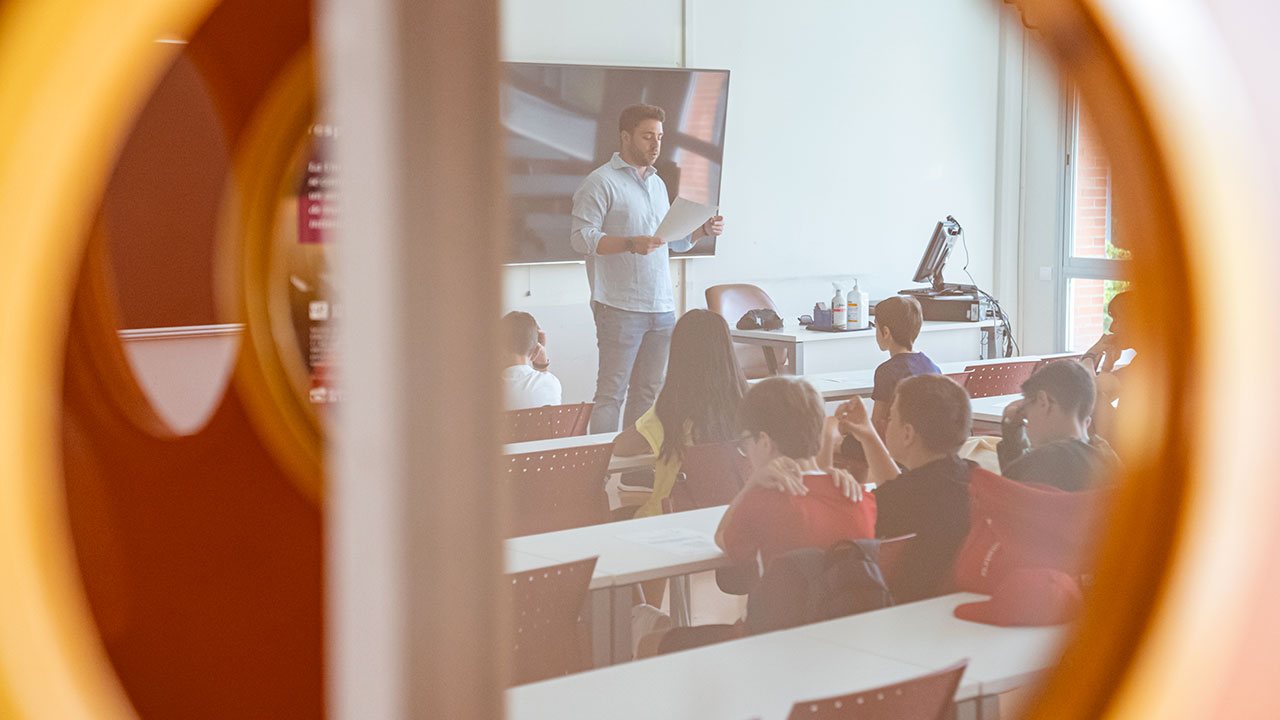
935 257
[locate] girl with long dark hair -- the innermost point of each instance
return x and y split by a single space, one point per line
698 402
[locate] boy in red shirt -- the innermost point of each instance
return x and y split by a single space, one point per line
784 418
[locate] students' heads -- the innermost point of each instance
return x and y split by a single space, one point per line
704 382
781 416
519 333
1059 401
898 318
930 416
640 128
1121 316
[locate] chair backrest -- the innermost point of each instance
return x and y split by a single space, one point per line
557 489
731 302
927 697
548 634
892 550
549 421
961 378
998 378
710 474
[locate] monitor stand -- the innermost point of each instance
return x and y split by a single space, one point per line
941 289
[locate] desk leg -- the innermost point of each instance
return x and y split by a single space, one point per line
968 709
620 600
770 358
600 602
989 707
680 606
797 358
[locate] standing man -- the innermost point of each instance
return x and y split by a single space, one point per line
615 213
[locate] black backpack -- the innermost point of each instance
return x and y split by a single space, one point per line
811 584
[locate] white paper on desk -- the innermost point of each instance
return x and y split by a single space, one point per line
683 218
680 541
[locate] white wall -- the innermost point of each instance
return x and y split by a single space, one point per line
852 128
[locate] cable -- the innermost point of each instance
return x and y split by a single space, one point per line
1010 348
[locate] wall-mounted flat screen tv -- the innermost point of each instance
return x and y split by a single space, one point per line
561 123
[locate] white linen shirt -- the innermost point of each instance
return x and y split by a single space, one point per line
613 200
523 388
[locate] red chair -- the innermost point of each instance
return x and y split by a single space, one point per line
998 378
961 378
731 302
710 474
549 637
557 489
928 697
549 421
891 552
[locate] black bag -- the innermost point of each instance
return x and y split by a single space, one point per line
811 584
762 319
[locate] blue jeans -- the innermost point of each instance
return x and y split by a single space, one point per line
633 360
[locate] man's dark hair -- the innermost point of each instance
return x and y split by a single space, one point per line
633 114
938 408
1069 383
901 317
790 411
519 332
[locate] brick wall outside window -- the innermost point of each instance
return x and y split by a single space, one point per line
1086 298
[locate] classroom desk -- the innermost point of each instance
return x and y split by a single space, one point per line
616 463
845 384
928 634
763 676
755 677
630 552
849 345
991 409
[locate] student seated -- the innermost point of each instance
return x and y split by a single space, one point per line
525 381
784 418
898 321
1102 357
698 402
929 419
1045 435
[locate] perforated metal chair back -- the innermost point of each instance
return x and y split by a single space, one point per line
548 636
557 489
928 697
710 474
961 378
731 302
548 421
998 378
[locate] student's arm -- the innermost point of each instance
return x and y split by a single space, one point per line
880 416
831 438
729 514
630 442
854 421
1013 431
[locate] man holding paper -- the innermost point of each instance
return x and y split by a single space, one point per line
622 225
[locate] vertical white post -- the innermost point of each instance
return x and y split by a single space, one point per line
412 507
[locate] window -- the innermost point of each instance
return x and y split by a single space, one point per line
1093 266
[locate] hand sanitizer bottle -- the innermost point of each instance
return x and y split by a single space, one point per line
837 309
857 308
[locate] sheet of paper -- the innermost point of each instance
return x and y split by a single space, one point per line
680 541
683 218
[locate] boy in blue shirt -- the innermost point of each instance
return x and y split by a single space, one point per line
898 320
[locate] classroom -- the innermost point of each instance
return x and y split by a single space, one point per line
684 359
